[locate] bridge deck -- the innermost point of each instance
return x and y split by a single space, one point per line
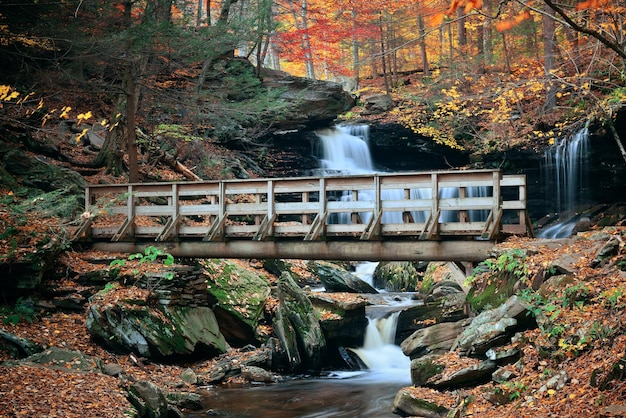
373 216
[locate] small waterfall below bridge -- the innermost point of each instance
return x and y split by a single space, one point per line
564 172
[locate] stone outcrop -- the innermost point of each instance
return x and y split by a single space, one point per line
313 103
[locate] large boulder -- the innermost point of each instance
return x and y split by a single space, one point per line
312 102
153 331
238 296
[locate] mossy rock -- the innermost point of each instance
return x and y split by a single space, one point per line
158 331
396 277
238 296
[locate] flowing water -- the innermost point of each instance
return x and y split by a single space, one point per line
367 393
565 170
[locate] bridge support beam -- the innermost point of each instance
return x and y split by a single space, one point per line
316 250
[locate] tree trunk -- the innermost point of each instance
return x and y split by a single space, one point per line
422 45
131 115
487 37
383 53
549 49
112 151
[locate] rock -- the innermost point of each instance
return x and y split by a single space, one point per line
424 368
345 323
287 350
503 355
148 399
472 375
491 327
312 103
66 360
448 309
189 376
254 374
337 279
113 369
21 346
185 400
376 103
436 338
156 331
407 404
238 296
396 276
299 311
502 375
608 250
443 288
556 382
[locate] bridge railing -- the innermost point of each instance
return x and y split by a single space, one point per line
426 205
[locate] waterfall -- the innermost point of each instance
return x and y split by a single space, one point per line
345 150
379 352
565 169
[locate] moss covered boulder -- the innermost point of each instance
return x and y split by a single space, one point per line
237 296
121 319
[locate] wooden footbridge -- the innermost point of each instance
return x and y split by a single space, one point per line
442 215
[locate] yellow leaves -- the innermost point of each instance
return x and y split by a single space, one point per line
7 94
80 136
84 117
65 112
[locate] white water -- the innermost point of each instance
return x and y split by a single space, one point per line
345 150
565 170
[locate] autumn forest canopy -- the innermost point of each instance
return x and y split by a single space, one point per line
461 70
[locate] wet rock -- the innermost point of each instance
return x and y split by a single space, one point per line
442 289
256 374
450 308
185 400
287 350
346 322
337 279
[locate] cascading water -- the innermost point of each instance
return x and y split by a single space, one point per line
345 150
565 170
